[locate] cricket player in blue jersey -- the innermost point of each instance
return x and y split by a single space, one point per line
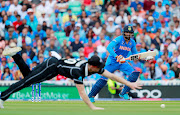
119 49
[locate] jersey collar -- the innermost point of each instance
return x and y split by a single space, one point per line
124 42
86 69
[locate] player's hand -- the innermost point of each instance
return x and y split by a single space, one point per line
120 59
149 57
97 108
135 86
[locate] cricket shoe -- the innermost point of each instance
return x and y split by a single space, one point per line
55 54
12 44
11 51
92 99
1 102
125 96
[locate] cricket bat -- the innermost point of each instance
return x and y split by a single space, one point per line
141 55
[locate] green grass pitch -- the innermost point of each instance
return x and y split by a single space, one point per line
79 108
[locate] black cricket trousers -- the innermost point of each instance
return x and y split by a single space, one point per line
44 71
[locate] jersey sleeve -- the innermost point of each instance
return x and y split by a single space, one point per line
77 81
77 77
111 46
133 49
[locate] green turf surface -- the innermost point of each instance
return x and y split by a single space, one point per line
79 108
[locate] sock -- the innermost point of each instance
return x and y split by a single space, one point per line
132 78
97 87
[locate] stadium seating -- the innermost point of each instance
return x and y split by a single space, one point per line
76 10
60 34
74 4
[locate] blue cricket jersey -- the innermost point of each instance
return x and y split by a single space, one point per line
119 47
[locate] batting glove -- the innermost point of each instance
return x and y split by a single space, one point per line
120 59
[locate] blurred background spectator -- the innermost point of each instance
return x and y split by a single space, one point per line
82 28
7 75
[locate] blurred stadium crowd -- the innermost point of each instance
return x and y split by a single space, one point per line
82 28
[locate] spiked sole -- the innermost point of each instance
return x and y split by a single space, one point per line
11 51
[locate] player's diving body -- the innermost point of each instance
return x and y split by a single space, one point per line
71 68
118 49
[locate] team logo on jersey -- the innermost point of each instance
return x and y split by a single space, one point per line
130 43
80 78
125 48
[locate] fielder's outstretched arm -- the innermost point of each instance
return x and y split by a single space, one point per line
85 98
121 80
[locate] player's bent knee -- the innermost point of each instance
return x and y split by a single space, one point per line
136 73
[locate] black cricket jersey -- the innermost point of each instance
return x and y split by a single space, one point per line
75 69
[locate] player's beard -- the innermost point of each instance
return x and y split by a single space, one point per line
127 38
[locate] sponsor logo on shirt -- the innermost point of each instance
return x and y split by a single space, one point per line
125 48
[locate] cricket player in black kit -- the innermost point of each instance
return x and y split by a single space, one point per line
54 65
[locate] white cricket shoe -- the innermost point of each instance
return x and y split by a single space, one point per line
12 44
55 54
11 51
